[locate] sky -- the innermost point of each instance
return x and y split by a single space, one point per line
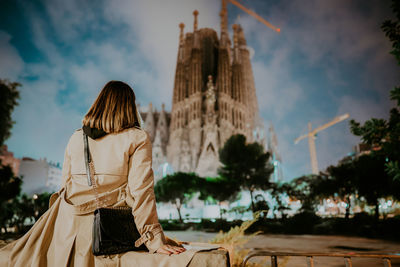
330 58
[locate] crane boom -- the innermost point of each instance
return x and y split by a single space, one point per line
298 139
255 15
329 124
311 136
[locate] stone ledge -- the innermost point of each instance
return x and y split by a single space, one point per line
211 258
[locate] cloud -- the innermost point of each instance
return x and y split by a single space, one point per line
337 27
331 35
362 108
277 95
11 62
72 19
42 126
334 34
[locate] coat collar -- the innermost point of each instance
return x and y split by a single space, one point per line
93 133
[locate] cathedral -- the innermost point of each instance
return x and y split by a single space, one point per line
214 97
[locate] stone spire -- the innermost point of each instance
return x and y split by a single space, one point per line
179 75
248 90
224 18
237 74
181 41
158 156
162 127
150 123
235 43
181 34
195 14
224 53
224 25
240 37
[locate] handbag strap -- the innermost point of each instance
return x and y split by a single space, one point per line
88 158
90 169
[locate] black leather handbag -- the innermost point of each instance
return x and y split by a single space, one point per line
114 228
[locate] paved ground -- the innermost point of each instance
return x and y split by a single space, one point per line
310 243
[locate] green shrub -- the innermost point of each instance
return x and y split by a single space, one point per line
302 223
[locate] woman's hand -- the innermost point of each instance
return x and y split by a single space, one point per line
170 249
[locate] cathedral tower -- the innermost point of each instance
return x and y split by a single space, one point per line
214 97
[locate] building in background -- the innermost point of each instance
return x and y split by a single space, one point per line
7 158
54 176
39 176
214 97
362 149
156 124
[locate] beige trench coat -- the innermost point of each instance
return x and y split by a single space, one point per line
123 172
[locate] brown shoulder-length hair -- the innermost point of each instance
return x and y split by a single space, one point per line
114 109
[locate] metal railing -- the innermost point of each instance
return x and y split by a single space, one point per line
386 258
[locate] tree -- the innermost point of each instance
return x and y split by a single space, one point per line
364 176
219 188
342 182
9 95
304 189
245 164
392 30
20 208
10 187
41 204
23 208
373 182
177 188
261 205
278 192
384 135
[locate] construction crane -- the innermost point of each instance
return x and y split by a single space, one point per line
311 139
251 13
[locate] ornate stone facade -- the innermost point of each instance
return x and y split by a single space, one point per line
214 97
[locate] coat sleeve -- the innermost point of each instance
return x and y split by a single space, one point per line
66 168
141 186
66 173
